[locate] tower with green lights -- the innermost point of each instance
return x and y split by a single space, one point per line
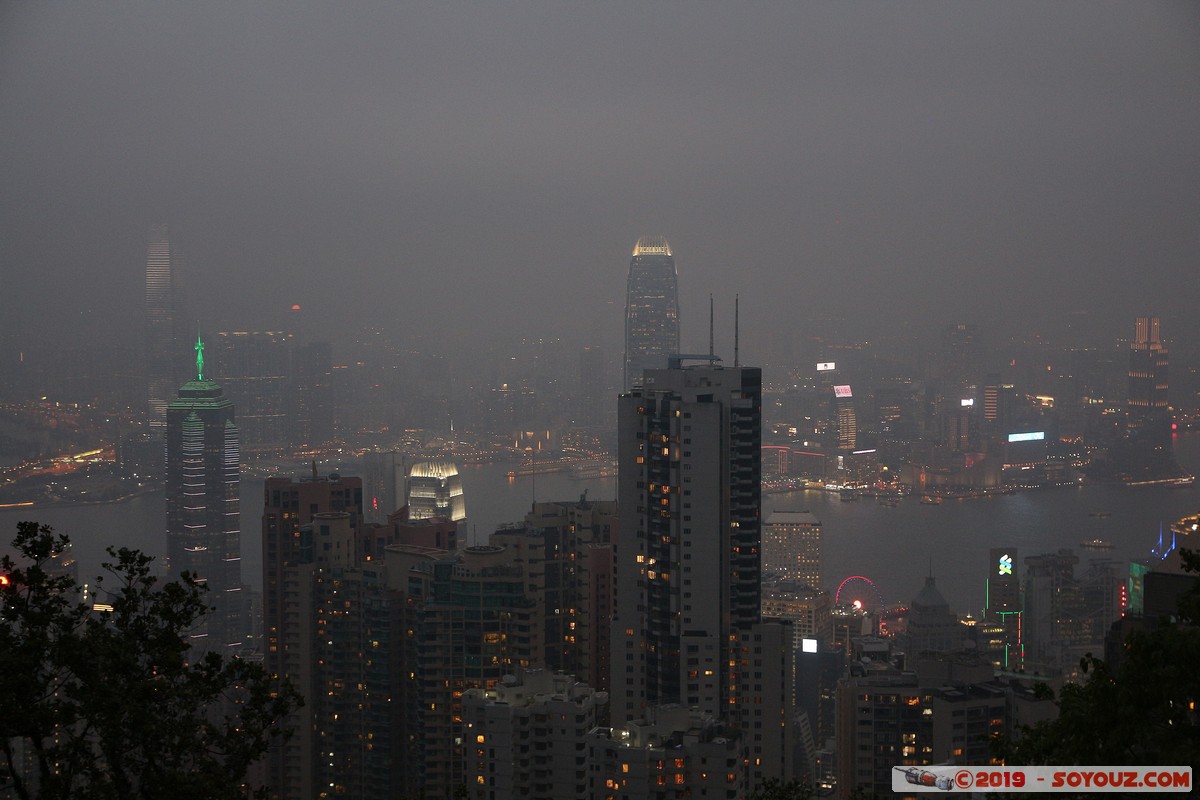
203 496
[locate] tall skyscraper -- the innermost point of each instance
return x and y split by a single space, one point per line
688 629
160 325
255 369
1147 368
689 457
847 420
651 308
202 493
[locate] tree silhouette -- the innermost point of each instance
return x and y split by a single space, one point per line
1143 712
105 704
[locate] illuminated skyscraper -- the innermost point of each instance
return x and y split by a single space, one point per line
1147 368
651 308
160 325
847 421
203 514
435 490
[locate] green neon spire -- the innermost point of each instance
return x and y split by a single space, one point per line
199 358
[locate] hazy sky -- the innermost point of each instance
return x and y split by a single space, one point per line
486 167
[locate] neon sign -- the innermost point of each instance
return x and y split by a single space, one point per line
1004 566
1027 437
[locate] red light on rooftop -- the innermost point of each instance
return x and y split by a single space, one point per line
295 307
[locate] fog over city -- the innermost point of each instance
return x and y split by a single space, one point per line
606 400
475 172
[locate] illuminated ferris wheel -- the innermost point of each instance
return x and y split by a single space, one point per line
860 592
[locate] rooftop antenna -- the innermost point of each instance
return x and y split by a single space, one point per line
710 328
736 330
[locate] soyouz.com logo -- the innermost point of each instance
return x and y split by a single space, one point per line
1041 779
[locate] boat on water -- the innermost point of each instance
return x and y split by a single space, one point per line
1099 513
931 500
889 500
1097 544
848 495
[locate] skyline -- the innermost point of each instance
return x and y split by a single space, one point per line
429 167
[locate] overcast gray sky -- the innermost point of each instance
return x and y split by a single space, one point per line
488 166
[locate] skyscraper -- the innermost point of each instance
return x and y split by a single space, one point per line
255 369
688 492
202 494
435 490
1147 368
651 308
688 629
160 325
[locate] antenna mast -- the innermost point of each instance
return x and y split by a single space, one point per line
710 328
736 330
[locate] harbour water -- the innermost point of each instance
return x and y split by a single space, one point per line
895 547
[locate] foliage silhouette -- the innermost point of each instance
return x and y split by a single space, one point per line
101 705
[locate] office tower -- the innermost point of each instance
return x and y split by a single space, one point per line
847 421
160 322
791 547
1147 368
1067 615
289 563
958 361
255 369
383 484
435 490
808 608
313 396
688 629
202 498
524 736
932 626
651 308
1002 611
595 388
991 398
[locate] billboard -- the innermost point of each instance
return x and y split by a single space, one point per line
968 402
825 366
1033 436
842 391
